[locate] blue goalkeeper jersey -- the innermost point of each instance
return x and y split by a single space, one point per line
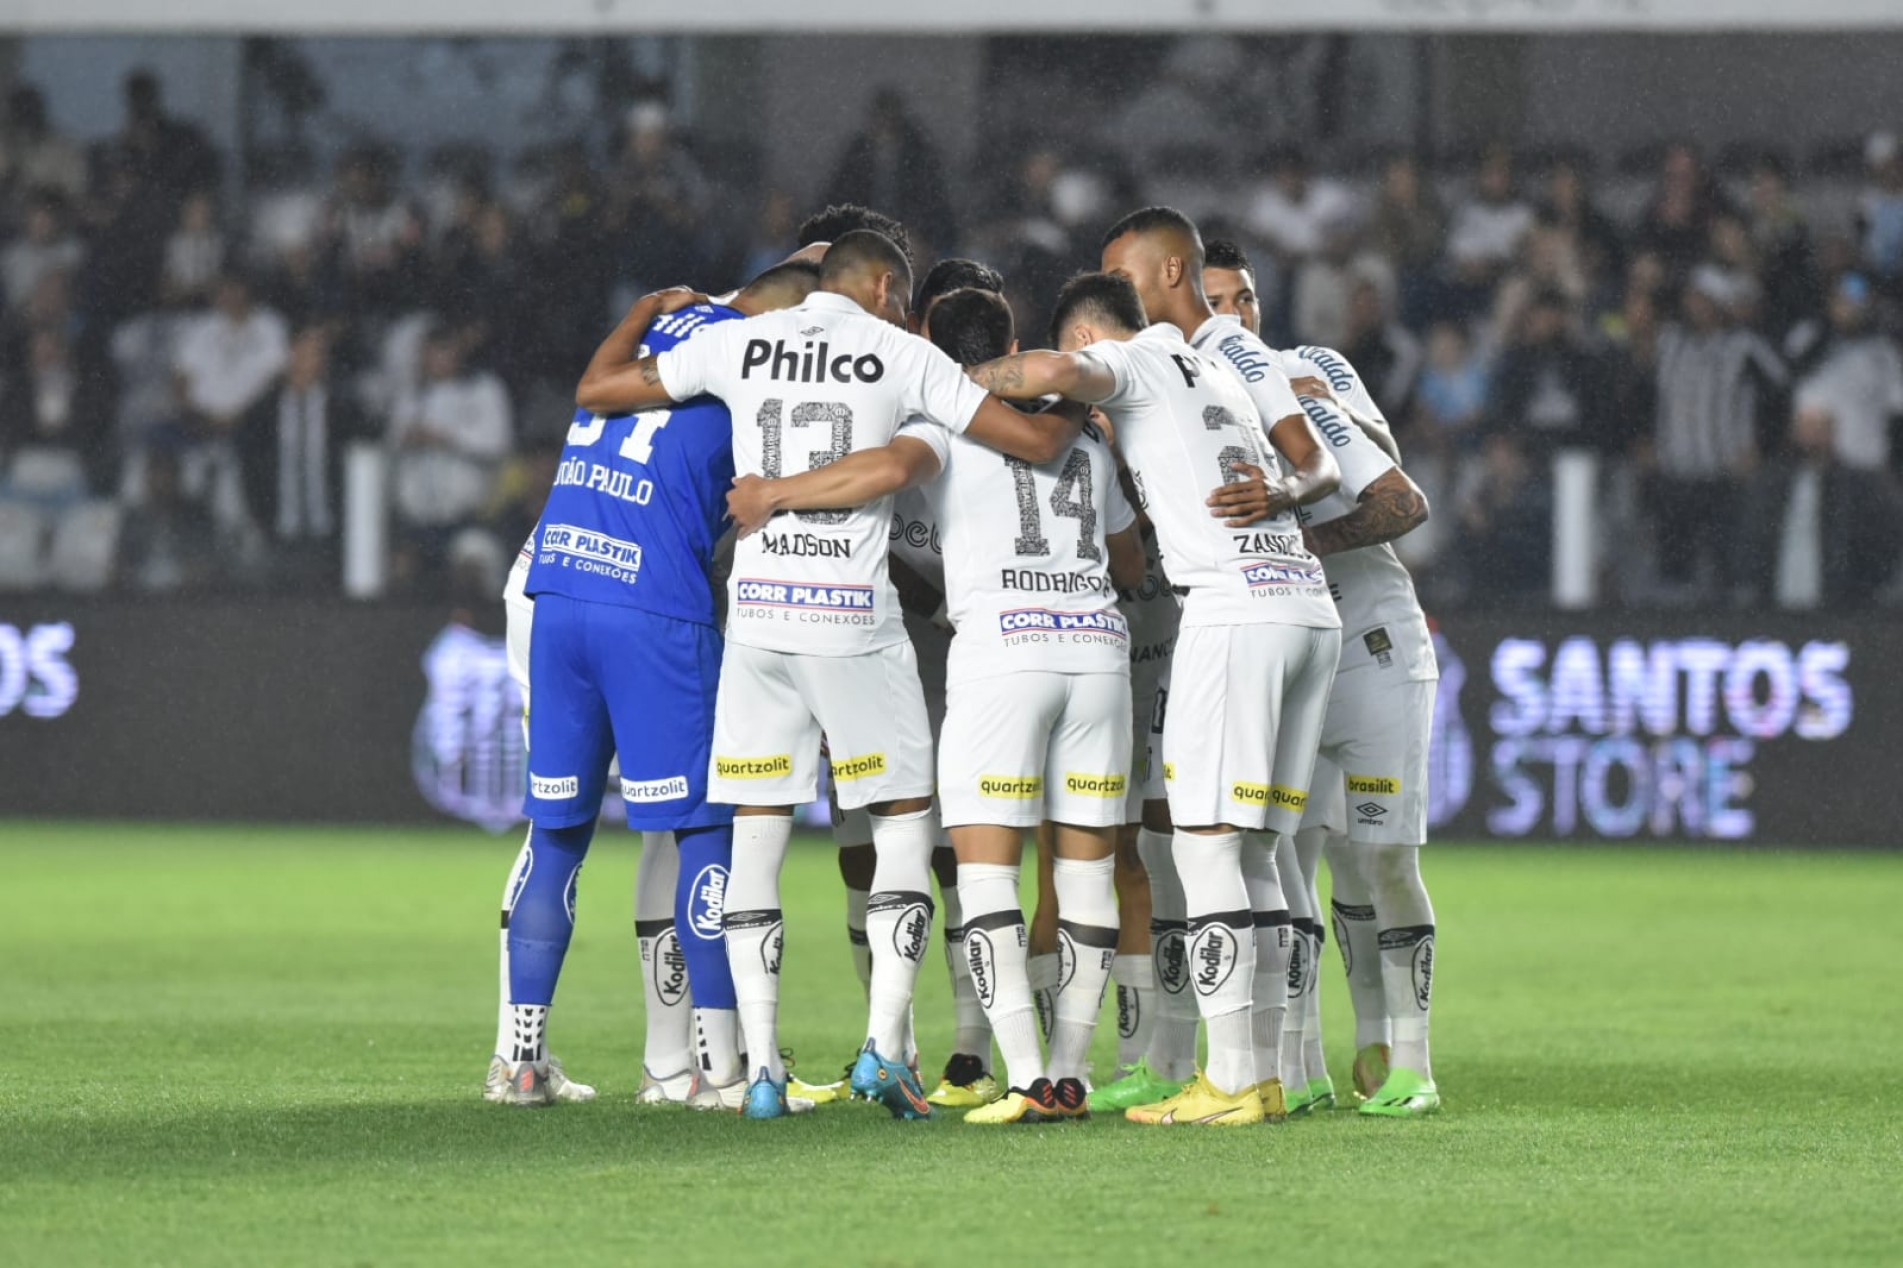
639 499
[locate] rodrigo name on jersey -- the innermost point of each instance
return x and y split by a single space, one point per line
639 499
807 386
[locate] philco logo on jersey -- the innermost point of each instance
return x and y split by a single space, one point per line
753 767
1022 619
549 789
1374 785
809 364
707 902
1010 787
1261 575
645 790
1095 785
805 546
858 767
1268 795
785 594
1251 364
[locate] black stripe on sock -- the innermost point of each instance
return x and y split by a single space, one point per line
1271 919
1405 936
899 900
1090 935
1160 927
995 920
856 936
764 919
1304 925
642 928
1234 919
954 933
1347 912
505 919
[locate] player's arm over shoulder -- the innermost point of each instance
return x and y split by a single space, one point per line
914 456
1391 507
616 381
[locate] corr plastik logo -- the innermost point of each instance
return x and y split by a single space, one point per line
754 767
755 592
555 788
672 788
1262 574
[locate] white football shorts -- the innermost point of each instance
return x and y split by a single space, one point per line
931 644
1370 780
774 706
1024 747
1242 721
1149 686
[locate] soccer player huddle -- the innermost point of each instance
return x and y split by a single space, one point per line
1133 594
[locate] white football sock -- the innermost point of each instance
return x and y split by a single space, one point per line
1356 938
1172 1051
528 1034
1044 972
1308 854
1086 946
756 933
1222 951
1268 906
1294 1069
1135 976
669 1048
505 1020
856 937
1406 919
898 923
995 941
717 1030
972 1033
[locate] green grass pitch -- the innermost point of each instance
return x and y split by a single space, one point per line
264 1046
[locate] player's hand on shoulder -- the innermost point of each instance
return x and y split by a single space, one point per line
675 298
1309 385
750 503
1249 500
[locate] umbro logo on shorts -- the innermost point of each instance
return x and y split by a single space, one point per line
551 789
754 767
1369 810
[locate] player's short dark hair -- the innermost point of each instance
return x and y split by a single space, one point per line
840 219
787 273
1104 296
1167 219
972 326
1221 253
865 249
955 274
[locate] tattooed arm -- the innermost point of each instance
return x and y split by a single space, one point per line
1391 507
615 382
1029 375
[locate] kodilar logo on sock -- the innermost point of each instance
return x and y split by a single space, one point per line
670 969
773 948
1129 1011
914 927
1066 958
1297 966
982 957
1172 963
1213 953
707 902
1424 972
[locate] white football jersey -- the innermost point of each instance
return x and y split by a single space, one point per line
807 386
1184 422
1381 619
1027 570
1340 375
915 537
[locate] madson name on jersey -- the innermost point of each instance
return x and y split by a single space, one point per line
806 546
809 363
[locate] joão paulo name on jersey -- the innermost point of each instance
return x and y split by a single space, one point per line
639 499
1184 422
806 386
1027 568
1382 625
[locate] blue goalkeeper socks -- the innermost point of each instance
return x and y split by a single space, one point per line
543 918
700 903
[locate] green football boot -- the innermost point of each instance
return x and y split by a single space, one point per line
1142 1086
1404 1095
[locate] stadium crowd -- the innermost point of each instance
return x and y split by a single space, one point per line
186 350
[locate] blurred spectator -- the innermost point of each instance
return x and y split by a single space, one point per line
195 254
1781 240
1717 383
1453 396
293 464
1677 222
1880 208
1297 213
772 237
1549 383
169 544
1488 228
1547 266
1381 348
165 157
1325 285
451 435
1861 510
1504 535
144 352
46 246
54 421
1595 241
32 155
658 202
373 231
1409 226
893 166
228 360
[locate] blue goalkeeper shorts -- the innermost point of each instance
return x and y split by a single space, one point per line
604 679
